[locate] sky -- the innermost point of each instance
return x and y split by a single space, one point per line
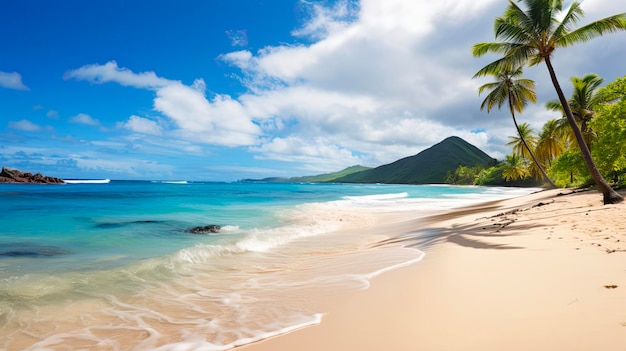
224 90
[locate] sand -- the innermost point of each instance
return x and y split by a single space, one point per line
541 272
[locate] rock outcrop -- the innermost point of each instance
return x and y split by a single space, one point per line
206 229
15 176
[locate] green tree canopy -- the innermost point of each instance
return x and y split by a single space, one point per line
515 168
584 102
530 35
610 124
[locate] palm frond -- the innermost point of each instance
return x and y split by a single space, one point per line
573 15
488 86
516 13
493 68
522 54
593 30
554 105
527 84
497 96
481 49
540 14
510 32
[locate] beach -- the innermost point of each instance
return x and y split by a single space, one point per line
114 266
311 267
546 271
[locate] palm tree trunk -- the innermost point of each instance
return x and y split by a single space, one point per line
530 152
610 195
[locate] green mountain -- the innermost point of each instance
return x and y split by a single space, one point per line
320 178
329 177
427 167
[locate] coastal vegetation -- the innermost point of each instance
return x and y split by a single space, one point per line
516 91
530 35
602 112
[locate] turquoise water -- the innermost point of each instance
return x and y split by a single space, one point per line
91 258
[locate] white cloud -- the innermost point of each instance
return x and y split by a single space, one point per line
110 72
83 118
142 125
325 21
221 121
12 80
378 80
25 125
384 83
319 155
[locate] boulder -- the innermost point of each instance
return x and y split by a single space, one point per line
206 229
15 176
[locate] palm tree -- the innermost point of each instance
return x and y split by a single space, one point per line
531 37
523 145
517 91
585 99
515 168
551 144
524 142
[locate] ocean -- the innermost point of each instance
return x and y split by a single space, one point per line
114 267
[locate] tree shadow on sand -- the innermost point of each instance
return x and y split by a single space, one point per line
472 235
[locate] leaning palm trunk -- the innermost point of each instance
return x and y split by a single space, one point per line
610 195
530 152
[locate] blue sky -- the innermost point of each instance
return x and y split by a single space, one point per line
232 89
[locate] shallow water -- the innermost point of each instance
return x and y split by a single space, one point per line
111 267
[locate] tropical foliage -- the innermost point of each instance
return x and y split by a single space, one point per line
551 142
584 102
510 87
515 168
529 35
464 175
610 125
560 157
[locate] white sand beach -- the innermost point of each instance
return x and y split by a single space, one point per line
545 271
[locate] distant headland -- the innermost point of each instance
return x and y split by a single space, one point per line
430 166
15 176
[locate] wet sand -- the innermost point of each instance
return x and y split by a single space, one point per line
545 271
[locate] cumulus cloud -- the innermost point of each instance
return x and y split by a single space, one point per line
83 118
25 125
371 82
382 80
12 80
141 125
219 121
111 72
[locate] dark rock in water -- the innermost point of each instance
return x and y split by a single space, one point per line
207 229
30 250
121 224
15 176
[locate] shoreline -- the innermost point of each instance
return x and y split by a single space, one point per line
537 272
